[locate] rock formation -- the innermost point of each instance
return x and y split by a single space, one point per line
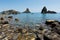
51 11
27 11
10 12
44 10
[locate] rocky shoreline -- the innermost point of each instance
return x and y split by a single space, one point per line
50 30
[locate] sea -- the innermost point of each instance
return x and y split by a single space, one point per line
34 18
28 18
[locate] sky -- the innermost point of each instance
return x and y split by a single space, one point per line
33 5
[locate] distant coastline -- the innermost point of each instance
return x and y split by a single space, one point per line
43 11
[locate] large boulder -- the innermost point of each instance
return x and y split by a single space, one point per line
49 22
4 22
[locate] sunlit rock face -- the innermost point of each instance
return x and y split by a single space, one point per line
27 11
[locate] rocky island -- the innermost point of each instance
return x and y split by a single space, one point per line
10 12
44 10
27 11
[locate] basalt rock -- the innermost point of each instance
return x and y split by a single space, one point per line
10 12
1 18
51 11
16 19
10 17
57 30
4 22
27 11
46 38
44 10
49 22
38 38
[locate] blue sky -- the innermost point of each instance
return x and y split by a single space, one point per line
33 5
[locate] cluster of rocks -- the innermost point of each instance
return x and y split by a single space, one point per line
11 32
44 10
55 25
10 12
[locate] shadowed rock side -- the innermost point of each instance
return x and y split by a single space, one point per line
44 10
10 12
27 11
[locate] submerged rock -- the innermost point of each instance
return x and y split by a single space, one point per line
16 19
27 11
1 18
10 17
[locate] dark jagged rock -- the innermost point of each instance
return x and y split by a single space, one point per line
41 28
46 38
44 10
49 22
27 11
53 25
1 18
51 11
19 30
4 22
16 19
10 17
38 38
57 30
10 12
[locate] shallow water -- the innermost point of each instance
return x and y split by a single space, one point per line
34 18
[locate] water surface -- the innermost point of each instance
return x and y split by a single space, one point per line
34 18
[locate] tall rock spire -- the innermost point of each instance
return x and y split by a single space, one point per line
44 10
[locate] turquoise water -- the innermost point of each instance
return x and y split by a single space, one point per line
34 18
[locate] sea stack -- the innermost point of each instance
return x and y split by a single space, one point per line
27 11
44 10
